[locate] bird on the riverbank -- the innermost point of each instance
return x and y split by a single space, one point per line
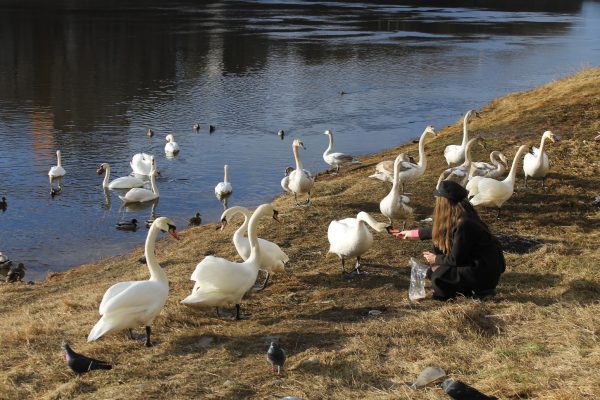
270 259
195 220
299 181
16 273
276 356
395 205
458 390
489 192
384 170
127 305
171 147
3 204
454 153
337 159
220 282
5 262
536 163
498 165
57 170
81 364
350 237
460 174
127 225
124 182
224 189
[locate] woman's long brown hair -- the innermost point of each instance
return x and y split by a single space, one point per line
446 216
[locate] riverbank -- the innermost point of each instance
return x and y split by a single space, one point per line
538 338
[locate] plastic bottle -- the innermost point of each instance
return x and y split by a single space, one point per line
418 272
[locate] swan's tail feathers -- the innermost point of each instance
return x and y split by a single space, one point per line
98 330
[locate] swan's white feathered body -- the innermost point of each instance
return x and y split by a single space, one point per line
394 205
220 282
350 237
141 195
224 189
336 159
141 163
460 174
454 153
128 305
384 170
498 165
300 181
536 164
125 182
171 147
57 170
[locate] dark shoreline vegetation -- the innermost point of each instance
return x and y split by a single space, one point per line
538 338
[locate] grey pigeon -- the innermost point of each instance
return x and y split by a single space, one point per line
276 357
81 364
458 390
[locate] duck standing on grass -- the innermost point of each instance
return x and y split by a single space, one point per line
196 220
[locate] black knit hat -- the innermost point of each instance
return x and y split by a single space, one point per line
451 190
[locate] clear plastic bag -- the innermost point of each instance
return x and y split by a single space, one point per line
418 271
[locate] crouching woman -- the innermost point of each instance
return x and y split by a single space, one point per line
467 259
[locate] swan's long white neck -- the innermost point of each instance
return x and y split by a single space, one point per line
226 173
495 161
330 144
106 176
253 234
422 156
468 148
542 145
366 218
156 272
153 182
58 160
396 180
297 158
513 168
230 212
465 129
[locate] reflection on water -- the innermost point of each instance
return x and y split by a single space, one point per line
91 78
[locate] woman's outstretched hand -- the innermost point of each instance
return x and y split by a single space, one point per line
414 234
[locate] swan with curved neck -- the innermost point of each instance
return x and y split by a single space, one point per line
141 163
171 147
350 237
489 192
498 165
124 182
460 174
224 189
395 205
220 282
141 195
57 170
455 154
336 159
299 181
128 305
271 259
409 171
536 164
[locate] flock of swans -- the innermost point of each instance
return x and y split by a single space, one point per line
219 282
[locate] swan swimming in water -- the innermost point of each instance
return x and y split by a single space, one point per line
142 195
124 182
454 153
127 305
141 163
171 147
57 170
224 189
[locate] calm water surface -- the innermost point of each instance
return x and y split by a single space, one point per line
90 78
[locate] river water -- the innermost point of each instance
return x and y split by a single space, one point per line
90 78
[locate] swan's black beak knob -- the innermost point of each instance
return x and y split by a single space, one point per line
223 224
173 231
276 216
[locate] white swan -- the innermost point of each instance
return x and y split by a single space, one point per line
220 282
384 170
350 237
455 154
460 174
124 182
285 181
300 181
271 257
224 189
141 195
171 147
337 159
128 305
141 163
489 192
395 205
536 164
57 170
409 171
498 165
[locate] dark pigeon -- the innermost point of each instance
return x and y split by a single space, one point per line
81 364
458 390
276 357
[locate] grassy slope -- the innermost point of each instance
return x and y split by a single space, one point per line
537 339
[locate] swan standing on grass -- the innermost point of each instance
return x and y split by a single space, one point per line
460 174
141 163
395 205
220 282
536 164
124 182
409 171
384 170
171 147
142 195
350 237
337 159
455 154
271 257
128 305
57 170
498 165
489 192
224 189
300 181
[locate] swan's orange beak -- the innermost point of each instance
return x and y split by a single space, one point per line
173 232
276 216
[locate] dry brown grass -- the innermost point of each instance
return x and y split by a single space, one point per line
537 339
